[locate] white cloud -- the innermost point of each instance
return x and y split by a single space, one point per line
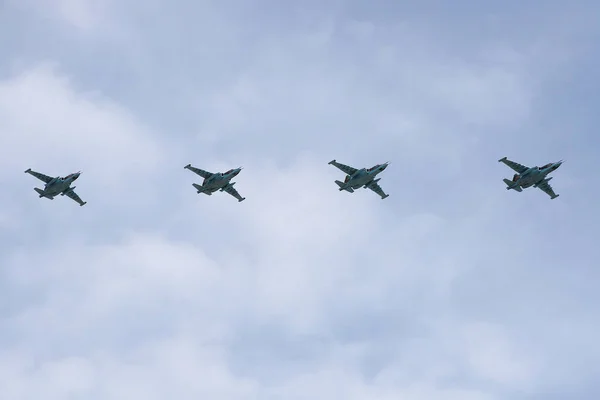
81 13
53 128
85 15
491 356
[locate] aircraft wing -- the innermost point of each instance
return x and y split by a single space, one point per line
377 189
72 195
41 177
231 190
519 168
201 172
546 188
345 168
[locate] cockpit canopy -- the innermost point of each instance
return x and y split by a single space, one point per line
546 166
228 172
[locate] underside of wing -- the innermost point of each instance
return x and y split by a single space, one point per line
72 195
201 172
231 190
377 189
41 177
546 188
344 168
518 168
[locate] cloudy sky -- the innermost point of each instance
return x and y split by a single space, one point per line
452 288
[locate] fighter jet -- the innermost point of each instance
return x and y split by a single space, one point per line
216 181
534 176
58 185
364 177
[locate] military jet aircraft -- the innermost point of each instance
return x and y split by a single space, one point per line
216 181
534 176
364 177
56 186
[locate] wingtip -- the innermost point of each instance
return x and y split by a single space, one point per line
502 159
331 162
28 170
243 198
83 204
187 166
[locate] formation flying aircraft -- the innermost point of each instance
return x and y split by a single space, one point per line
216 181
534 176
364 177
56 186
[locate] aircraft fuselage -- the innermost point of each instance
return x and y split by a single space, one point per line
59 186
219 180
534 175
363 176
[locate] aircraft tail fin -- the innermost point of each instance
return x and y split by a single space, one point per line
344 187
511 185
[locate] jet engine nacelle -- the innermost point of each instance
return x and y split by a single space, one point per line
52 182
227 186
372 183
544 181
68 190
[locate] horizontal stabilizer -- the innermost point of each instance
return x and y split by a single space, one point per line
201 189
344 187
43 194
510 185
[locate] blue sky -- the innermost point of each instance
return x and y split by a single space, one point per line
451 288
